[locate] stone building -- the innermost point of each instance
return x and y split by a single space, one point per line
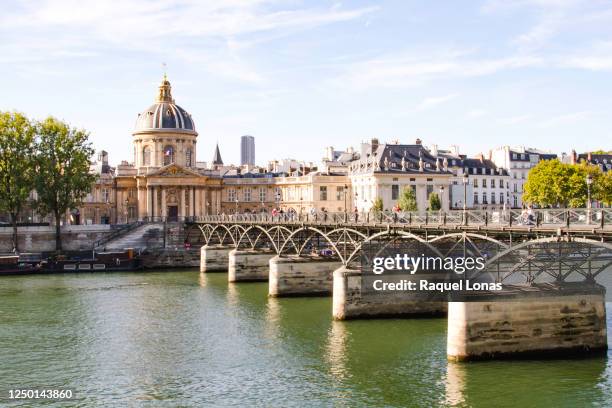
517 162
164 181
385 170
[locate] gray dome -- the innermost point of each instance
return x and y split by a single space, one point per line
164 114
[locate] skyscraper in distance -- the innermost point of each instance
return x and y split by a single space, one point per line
247 150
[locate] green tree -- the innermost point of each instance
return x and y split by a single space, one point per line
434 202
603 188
16 165
377 206
551 182
62 178
407 201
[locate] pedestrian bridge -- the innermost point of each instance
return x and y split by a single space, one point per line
554 264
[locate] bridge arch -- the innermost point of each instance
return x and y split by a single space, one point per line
335 238
225 235
393 233
551 260
253 236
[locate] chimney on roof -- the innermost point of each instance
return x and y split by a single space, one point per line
374 142
573 158
434 150
418 141
480 157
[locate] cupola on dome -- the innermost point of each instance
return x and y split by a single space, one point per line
164 114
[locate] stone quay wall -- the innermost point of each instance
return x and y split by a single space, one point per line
549 319
42 238
170 258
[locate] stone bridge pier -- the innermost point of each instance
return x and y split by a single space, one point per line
545 319
351 302
301 275
214 258
249 265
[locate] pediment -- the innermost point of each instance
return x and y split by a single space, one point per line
174 170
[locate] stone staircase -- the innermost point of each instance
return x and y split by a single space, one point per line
145 236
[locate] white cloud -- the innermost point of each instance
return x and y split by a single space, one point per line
476 113
421 68
430 102
514 119
565 119
52 30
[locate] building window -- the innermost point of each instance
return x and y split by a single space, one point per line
188 158
323 193
394 192
492 198
501 198
492 183
146 156
429 190
247 194
515 200
339 193
515 187
277 194
484 198
262 194
231 194
105 195
168 155
475 198
475 182
484 183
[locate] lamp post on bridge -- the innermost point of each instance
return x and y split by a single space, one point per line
465 183
589 181
441 202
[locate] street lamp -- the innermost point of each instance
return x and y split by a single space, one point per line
465 183
345 191
236 201
441 199
589 181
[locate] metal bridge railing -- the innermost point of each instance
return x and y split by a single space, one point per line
595 217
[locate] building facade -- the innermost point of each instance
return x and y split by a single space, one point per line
517 162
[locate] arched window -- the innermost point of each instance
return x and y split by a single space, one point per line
168 155
146 156
188 158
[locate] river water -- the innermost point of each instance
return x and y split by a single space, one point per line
182 338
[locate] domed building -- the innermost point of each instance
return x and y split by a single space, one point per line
164 181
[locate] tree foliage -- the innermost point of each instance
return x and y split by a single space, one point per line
434 202
16 165
552 183
377 206
407 201
62 178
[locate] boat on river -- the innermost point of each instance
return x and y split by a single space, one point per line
27 264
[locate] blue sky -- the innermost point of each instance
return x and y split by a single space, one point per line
302 75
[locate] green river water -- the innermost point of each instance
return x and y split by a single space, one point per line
182 339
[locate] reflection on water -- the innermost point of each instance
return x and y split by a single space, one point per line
336 350
455 384
191 339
